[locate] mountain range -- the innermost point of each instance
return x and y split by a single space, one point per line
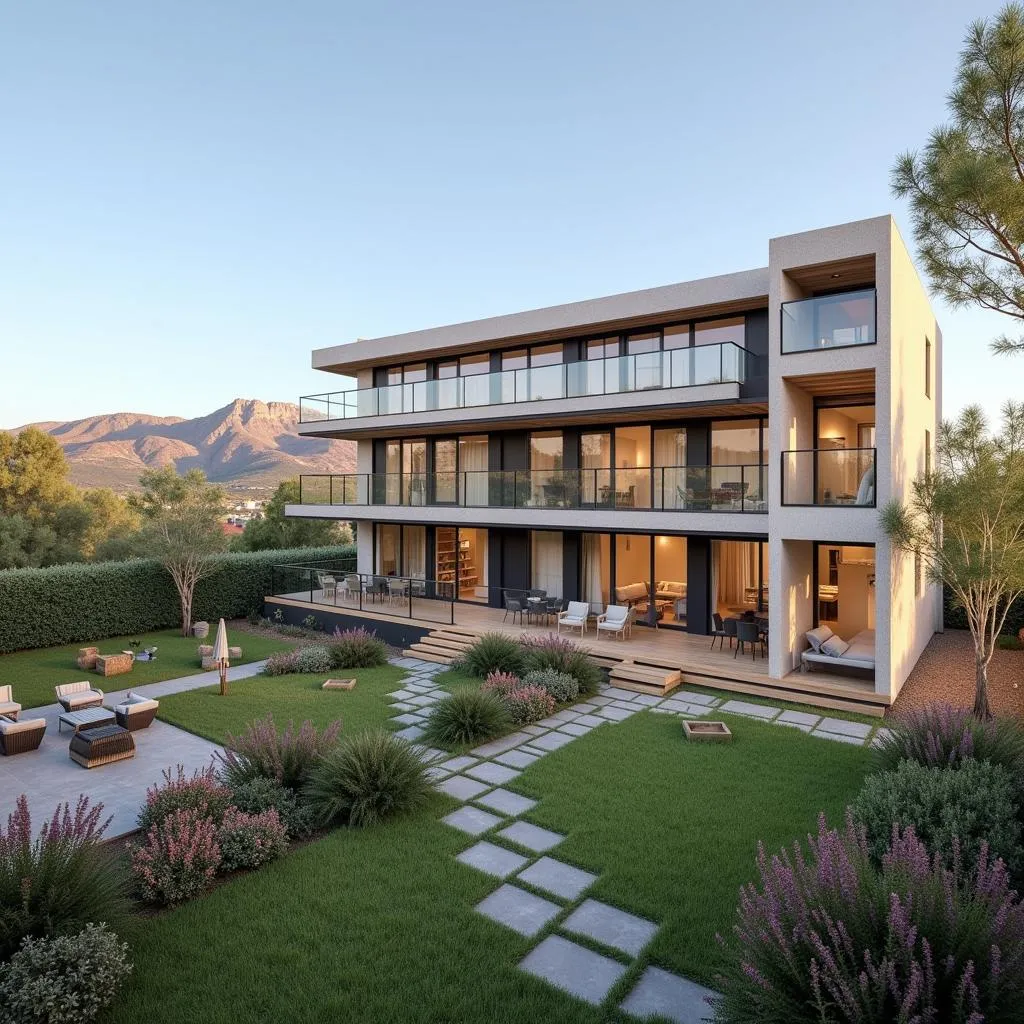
247 444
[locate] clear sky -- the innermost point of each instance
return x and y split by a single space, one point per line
193 195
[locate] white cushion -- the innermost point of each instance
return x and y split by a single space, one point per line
835 646
576 610
816 637
24 726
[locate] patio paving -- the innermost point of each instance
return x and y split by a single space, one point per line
531 837
560 879
491 859
578 971
472 820
611 926
519 910
660 993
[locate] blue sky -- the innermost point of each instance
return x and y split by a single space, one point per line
195 195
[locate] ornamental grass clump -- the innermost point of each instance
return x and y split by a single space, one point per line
501 683
357 648
528 704
202 791
366 779
286 757
179 858
59 880
562 686
493 652
467 716
830 936
250 840
562 655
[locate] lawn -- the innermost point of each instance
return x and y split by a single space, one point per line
287 698
33 674
379 925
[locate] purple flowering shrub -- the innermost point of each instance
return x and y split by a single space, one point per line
286 757
528 704
829 936
58 880
201 792
501 683
179 858
249 840
281 663
357 648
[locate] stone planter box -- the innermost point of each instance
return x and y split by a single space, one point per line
200 630
87 658
707 732
339 684
114 664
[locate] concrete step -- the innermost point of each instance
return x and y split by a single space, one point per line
425 655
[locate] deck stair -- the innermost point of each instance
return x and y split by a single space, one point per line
645 678
442 646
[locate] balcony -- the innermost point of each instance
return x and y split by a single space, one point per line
829 477
663 488
674 368
829 321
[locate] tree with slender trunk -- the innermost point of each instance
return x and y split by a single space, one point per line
182 516
966 188
965 521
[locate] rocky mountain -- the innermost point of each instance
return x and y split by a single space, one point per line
247 444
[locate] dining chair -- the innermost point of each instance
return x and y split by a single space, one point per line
748 633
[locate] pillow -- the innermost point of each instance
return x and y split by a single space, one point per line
835 646
816 637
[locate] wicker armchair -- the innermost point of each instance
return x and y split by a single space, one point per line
8 705
136 712
76 696
20 737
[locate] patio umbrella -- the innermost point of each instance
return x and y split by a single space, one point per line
220 655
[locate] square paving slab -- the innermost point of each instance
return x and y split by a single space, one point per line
437 773
618 694
491 859
472 820
519 910
516 758
534 730
403 695
557 878
410 732
798 718
647 700
501 745
611 926
401 706
409 718
578 971
551 741
838 737
573 729
590 720
839 725
659 993
504 802
495 774
584 707
743 707
691 697
457 764
616 714
462 788
533 837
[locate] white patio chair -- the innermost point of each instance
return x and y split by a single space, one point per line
617 620
575 616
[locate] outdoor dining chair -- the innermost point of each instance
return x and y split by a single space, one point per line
515 606
748 633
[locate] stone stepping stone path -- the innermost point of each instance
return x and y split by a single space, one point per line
516 852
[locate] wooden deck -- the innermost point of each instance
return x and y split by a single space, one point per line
664 648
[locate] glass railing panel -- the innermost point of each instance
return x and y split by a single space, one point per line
832 476
549 488
596 488
445 488
474 489
540 383
632 488
829 321
584 378
390 400
707 364
314 490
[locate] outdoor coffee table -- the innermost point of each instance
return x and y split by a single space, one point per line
87 718
92 747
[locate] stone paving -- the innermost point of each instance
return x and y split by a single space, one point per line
541 895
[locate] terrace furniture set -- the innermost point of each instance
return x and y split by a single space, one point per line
616 620
745 629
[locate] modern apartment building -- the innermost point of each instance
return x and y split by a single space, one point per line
711 450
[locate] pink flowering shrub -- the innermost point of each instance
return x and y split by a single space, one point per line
58 880
528 704
179 859
200 792
562 655
249 840
829 936
501 683
287 757
281 663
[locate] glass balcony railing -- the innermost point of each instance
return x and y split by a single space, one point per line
674 368
829 321
829 476
738 488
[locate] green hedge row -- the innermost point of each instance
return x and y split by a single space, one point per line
956 618
67 604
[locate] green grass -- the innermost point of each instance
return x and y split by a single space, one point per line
295 698
34 674
378 925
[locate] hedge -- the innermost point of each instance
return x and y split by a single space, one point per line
67 604
956 618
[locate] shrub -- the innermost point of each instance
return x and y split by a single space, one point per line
259 794
59 880
561 655
200 792
286 757
562 686
67 979
528 704
834 937
281 663
357 648
366 779
467 716
90 601
954 812
493 652
941 736
501 683
315 658
179 859
249 840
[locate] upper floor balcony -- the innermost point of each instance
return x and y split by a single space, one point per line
829 321
615 380
843 477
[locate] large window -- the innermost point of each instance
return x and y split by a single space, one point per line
596 566
738 578
389 547
473 475
445 484
670 475
718 332
670 580
633 572
632 467
460 563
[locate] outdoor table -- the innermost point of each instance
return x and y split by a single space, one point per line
87 718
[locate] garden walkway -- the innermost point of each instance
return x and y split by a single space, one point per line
48 777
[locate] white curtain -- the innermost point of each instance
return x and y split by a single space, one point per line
414 552
546 557
734 572
592 589
669 450
473 461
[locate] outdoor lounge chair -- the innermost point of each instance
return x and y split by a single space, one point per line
617 620
76 696
19 737
135 712
8 705
574 616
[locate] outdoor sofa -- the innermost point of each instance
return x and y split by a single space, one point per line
19 737
76 696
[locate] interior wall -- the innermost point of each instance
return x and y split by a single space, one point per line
856 594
